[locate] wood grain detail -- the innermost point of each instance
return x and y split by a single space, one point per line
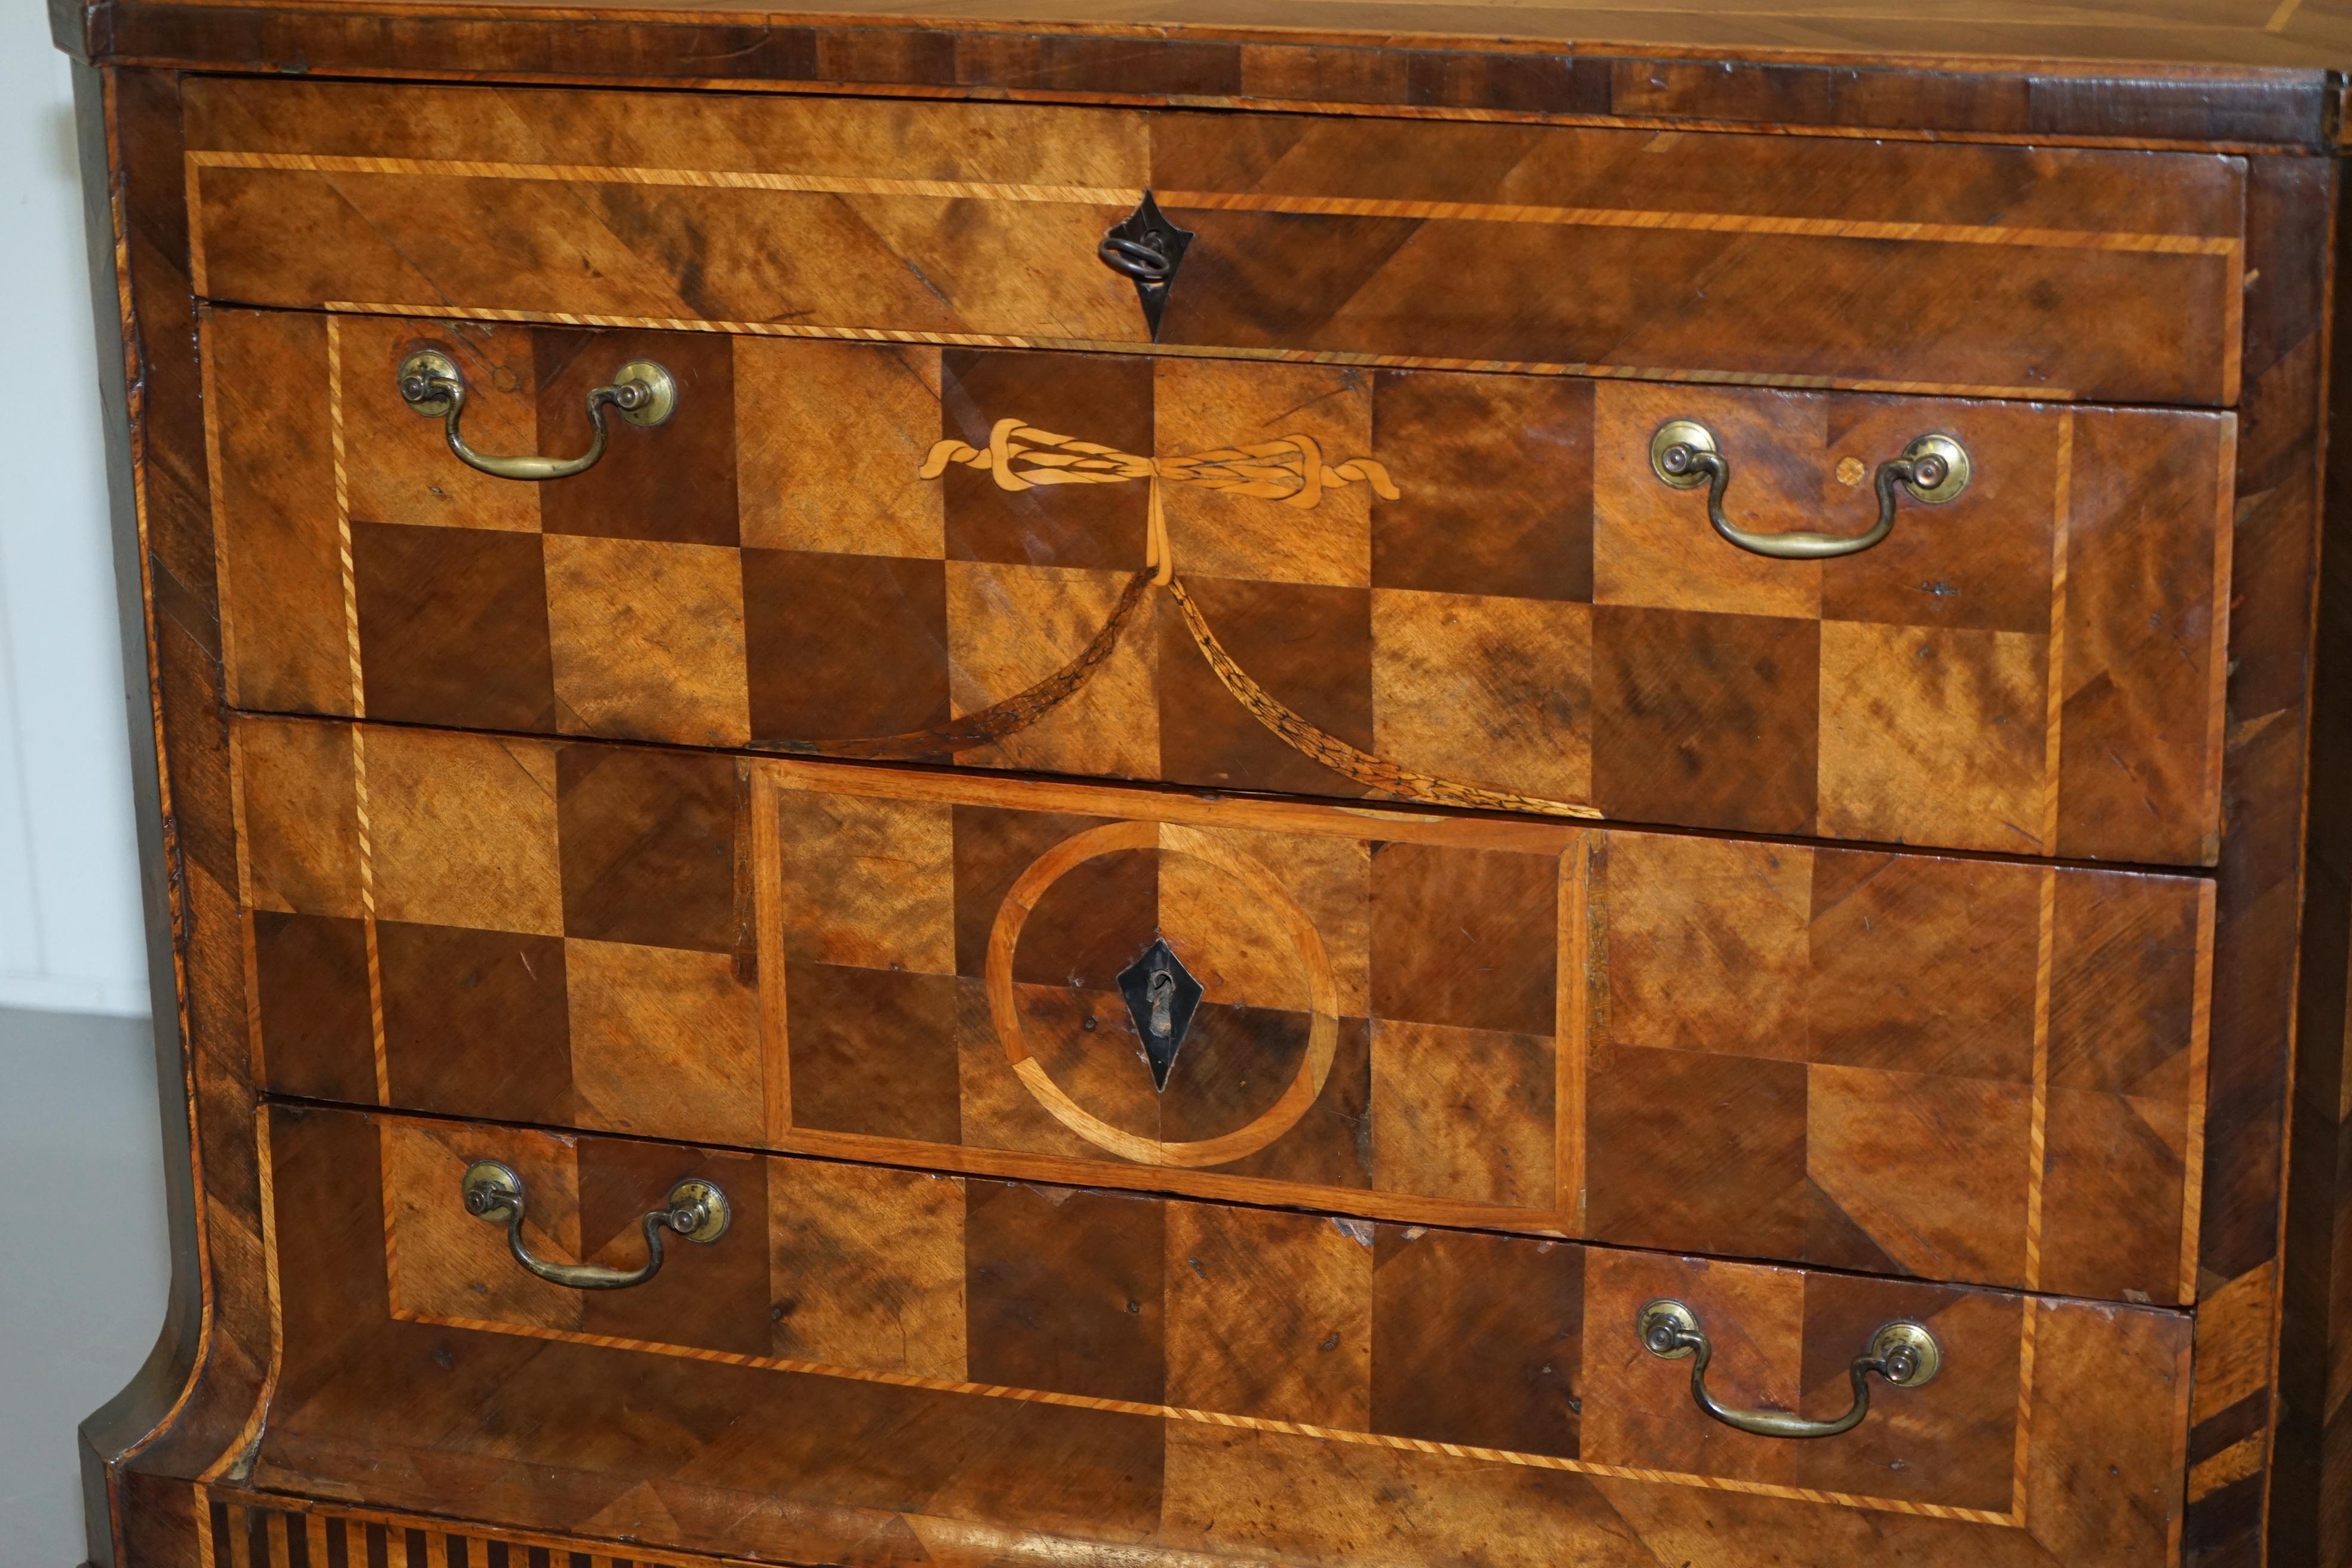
1472 212
1932 690
1603 370
1828 71
2037 1143
1256 1423
1575 984
874 216
531 1326
2085 1074
2053 751
1411 1016
1314 1068
2200 1039
775 1033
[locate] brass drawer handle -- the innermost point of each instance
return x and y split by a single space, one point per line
695 1210
430 384
1932 469
1904 1353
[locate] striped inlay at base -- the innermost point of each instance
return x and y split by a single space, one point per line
242 1530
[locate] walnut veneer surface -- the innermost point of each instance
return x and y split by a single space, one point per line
1580 908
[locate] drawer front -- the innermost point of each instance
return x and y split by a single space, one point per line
1129 1373
2007 271
1957 1069
1452 588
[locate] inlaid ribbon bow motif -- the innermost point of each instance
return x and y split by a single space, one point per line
1290 472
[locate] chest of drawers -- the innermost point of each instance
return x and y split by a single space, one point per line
1351 785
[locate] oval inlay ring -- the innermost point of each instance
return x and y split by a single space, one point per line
1323 1030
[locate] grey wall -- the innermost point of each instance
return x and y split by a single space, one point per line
81 1234
82 1256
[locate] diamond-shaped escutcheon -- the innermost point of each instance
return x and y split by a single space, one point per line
1162 996
1148 247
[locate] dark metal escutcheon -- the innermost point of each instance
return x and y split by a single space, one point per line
1162 996
1144 245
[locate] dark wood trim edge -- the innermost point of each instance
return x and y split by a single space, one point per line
2291 208
2279 109
119 1427
2311 1504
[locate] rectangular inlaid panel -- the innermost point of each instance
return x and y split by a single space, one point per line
1457 589
1208 1349
2008 271
1954 1070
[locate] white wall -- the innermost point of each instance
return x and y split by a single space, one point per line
78 1096
69 926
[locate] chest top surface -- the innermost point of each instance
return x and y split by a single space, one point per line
2309 34
2236 73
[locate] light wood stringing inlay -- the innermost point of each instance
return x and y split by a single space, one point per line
1083 196
2050 393
2015 1517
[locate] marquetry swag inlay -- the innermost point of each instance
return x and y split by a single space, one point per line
1290 472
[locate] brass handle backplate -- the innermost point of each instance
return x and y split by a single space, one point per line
431 385
1933 469
695 1210
1904 1353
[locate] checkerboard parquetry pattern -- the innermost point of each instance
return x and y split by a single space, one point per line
806 956
1369 1334
1533 615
